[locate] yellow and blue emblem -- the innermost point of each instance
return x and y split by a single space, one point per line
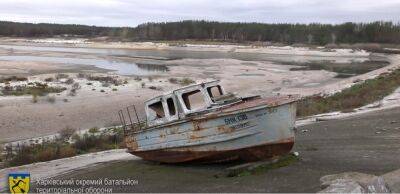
19 182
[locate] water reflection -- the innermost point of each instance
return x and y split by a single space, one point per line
345 66
121 68
182 54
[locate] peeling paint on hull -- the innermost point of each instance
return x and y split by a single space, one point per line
250 154
249 131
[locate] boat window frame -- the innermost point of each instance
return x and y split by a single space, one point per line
167 115
150 120
166 108
179 93
220 90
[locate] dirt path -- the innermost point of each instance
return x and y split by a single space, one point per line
367 143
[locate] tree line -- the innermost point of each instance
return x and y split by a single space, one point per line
375 32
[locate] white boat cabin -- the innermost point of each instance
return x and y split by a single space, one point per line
182 102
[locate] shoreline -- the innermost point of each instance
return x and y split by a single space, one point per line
23 118
319 51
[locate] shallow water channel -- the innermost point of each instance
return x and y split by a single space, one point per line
345 66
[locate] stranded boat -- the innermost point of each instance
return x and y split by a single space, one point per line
202 123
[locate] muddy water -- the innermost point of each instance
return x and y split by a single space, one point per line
350 64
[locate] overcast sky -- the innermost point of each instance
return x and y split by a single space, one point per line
134 12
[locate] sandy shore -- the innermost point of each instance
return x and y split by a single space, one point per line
283 50
23 119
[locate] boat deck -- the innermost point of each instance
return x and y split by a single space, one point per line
268 101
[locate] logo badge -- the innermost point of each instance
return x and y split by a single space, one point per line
19 182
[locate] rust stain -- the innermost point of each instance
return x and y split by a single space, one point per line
225 129
196 125
163 135
194 136
211 116
174 130
249 154
131 143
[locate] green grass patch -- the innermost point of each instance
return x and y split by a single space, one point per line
358 95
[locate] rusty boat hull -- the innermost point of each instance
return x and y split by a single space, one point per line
251 130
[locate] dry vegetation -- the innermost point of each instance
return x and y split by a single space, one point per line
183 81
12 78
93 141
358 95
106 80
34 89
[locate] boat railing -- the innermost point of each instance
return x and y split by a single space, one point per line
130 120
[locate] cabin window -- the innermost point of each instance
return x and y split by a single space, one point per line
156 110
171 107
194 100
214 91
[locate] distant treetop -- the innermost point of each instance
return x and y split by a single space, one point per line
321 34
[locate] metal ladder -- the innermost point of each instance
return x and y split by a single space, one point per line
128 124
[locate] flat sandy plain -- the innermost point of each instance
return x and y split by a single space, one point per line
21 119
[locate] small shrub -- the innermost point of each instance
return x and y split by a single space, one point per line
138 79
126 82
46 154
105 84
39 89
66 133
81 75
89 142
65 100
12 78
153 87
93 130
114 89
102 91
22 156
173 80
76 86
89 83
72 92
49 79
86 142
69 81
143 84
61 76
186 81
67 151
1 155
